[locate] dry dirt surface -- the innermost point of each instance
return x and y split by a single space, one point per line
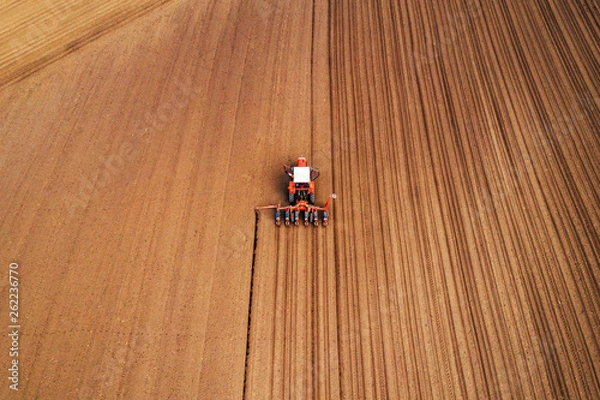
35 33
462 139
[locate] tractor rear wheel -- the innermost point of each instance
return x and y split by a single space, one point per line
291 198
311 198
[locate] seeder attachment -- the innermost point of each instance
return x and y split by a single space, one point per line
302 211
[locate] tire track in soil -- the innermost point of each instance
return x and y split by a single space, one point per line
293 335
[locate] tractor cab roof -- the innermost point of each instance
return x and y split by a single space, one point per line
301 174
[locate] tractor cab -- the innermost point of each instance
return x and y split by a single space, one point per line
302 175
302 185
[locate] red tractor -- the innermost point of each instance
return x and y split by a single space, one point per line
302 183
301 196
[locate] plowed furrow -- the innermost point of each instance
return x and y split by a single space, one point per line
461 139
490 201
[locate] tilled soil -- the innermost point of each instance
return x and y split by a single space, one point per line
461 140
37 33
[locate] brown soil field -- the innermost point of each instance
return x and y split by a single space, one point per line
36 33
460 137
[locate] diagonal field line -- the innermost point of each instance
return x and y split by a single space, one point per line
24 55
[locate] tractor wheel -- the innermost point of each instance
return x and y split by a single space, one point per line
291 198
311 198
